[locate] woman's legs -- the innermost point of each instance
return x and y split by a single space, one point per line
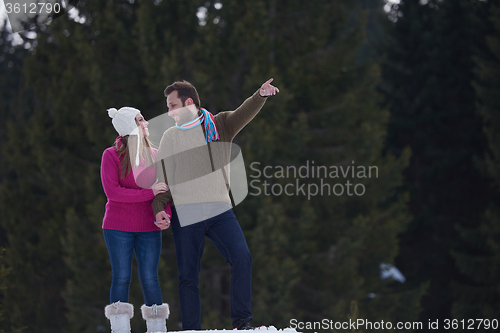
120 246
147 249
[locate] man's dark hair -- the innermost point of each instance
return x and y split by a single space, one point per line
184 90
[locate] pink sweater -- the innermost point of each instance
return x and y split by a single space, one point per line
129 206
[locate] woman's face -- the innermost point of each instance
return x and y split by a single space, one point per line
143 125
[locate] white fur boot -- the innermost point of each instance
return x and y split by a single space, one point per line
156 317
119 314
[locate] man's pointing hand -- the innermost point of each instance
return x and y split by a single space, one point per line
267 89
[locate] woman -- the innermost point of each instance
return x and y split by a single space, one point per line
128 177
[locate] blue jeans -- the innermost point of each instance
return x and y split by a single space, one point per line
226 234
147 247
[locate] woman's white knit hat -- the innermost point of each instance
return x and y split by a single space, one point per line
124 123
124 120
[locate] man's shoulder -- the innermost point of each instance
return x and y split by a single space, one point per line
221 117
221 114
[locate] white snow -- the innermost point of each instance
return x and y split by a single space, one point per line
390 271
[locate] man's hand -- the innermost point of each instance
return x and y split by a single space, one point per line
267 89
162 220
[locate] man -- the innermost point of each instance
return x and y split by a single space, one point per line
195 156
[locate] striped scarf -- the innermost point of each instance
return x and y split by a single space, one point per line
211 131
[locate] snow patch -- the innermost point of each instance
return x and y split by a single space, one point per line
390 271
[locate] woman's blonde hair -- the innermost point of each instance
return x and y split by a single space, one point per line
123 151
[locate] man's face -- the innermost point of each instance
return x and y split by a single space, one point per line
181 112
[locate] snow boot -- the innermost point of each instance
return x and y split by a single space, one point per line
119 314
156 317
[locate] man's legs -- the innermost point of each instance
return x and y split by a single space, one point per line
189 246
226 234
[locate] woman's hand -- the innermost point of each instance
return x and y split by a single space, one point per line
159 187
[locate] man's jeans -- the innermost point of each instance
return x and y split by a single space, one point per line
147 247
226 234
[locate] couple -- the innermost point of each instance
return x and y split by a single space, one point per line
139 207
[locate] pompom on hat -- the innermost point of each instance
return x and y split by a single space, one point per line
124 123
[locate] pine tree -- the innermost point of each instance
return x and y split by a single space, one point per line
11 98
348 129
27 281
427 83
479 297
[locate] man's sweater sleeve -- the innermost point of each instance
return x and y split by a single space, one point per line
235 120
110 173
164 165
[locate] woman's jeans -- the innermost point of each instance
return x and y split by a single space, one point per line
226 234
147 247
